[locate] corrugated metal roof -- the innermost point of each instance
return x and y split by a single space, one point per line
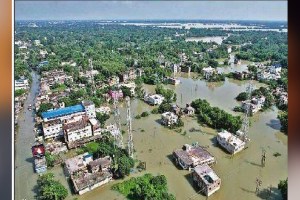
62 111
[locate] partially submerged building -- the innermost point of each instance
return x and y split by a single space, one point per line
230 142
206 179
169 118
155 99
191 156
87 174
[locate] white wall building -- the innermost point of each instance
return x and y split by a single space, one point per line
208 72
155 99
89 107
52 129
76 129
169 118
21 84
230 142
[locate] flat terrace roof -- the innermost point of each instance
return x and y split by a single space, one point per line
62 111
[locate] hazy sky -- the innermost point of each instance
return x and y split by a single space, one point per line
103 10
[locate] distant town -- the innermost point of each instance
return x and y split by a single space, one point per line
150 109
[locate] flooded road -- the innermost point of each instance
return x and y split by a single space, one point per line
25 178
154 145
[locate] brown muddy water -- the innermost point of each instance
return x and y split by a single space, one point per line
238 173
155 144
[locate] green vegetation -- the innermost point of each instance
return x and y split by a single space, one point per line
138 117
102 117
164 107
242 96
145 187
50 189
126 91
154 111
44 107
282 186
51 159
215 117
58 87
276 154
266 93
19 92
122 162
145 114
238 109
264 45
217 78
169 94
283 117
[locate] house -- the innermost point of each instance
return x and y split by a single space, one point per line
115 94
21 84
88 174
230 142
86 181
255 104
229 49
37 42
208 72
77 163
175 68
77 128
128 75
155 99
52 129
43 53
275 69
206 179
169 118
174 81
113 80
96 127
130 85
190 156
100 164
89 108
241 75
103 109
189 110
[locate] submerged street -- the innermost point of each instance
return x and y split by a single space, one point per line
25 178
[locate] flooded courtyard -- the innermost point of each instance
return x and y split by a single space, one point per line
154 144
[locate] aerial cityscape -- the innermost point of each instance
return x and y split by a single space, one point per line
128 100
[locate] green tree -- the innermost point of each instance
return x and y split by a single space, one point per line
124 165
44 107
282 186
50 189
283 117
242 96
102 117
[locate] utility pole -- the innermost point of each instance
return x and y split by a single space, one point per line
118 135
92 76
130 140
263 158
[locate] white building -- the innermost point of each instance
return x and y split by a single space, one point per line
230 142
169 118
52 129
21 84
208 72
275 69
206 179
77 128
103 109
37 42
155 99
89 108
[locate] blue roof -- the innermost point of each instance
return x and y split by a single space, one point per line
62 111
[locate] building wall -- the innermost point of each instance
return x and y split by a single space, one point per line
79 134
53 131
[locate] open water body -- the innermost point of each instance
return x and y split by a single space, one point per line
155 144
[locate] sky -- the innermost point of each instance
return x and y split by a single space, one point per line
130 10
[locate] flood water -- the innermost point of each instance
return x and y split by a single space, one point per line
216 39
155 144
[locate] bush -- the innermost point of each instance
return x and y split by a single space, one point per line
154 111
138 117
242 96
282 186
145 114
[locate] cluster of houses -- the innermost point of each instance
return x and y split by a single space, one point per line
255 104
87 173
23 84
198 159
282 96
269 72
172 117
